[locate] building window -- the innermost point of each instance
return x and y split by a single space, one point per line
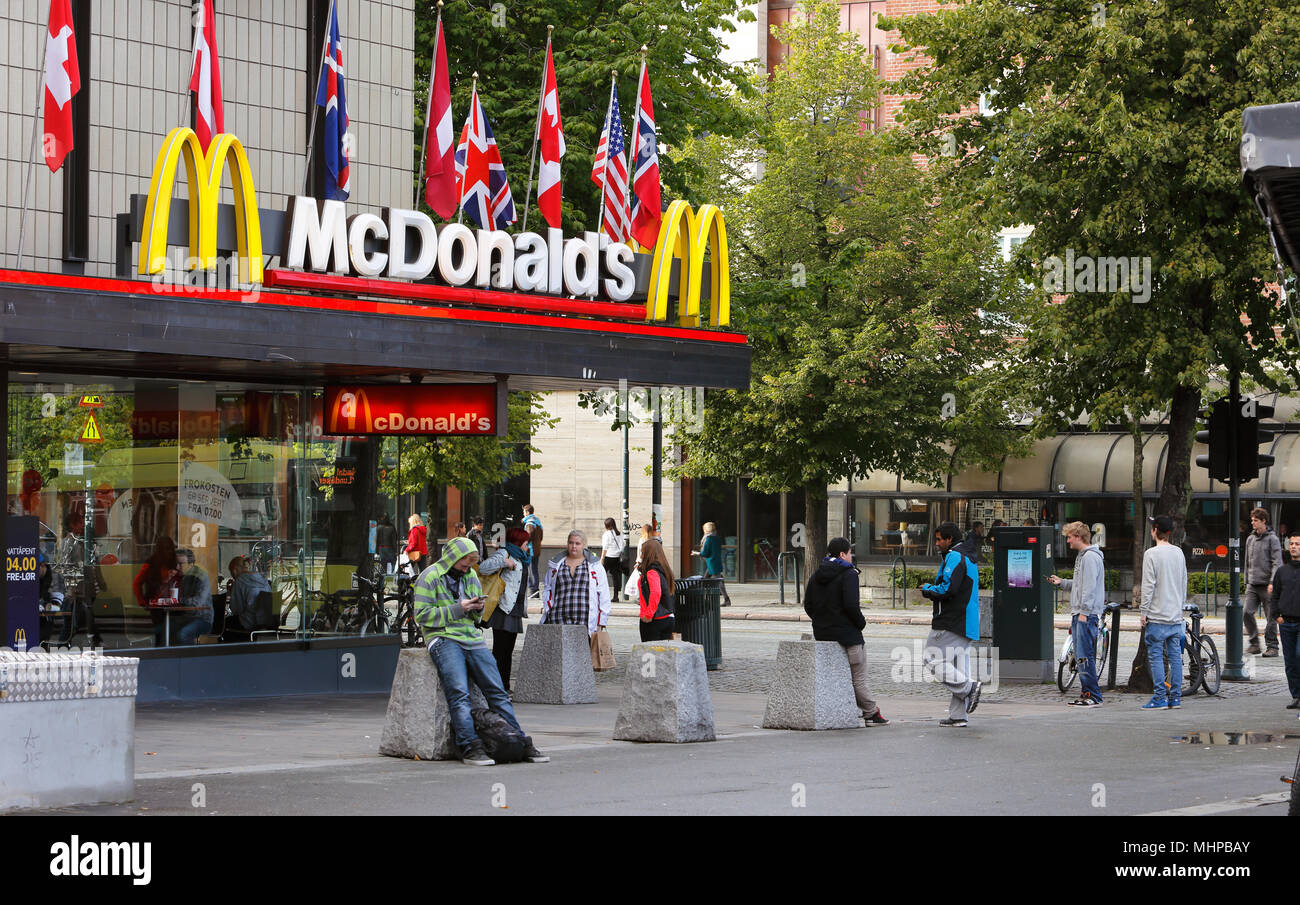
76 168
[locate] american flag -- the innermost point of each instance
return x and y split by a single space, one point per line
480 174
610 172
646 204
330 95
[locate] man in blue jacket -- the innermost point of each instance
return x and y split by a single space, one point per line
956 623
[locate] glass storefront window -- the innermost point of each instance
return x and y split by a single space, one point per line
715 501
1111 522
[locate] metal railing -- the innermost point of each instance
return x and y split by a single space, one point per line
893 583
797 557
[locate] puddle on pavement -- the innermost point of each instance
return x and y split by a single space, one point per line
1235 738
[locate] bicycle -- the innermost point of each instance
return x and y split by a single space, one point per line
1293 780
1067 670
367 614
408 630
1201 663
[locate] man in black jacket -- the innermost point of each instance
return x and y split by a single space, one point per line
831 601
1286 609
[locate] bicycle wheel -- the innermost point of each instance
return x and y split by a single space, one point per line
1211 669
1067 673
1294 810
1192 665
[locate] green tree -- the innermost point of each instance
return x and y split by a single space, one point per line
871 304
506 45
1113 130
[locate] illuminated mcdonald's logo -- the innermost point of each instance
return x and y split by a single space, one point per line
20 639
687 236
347 407
204 175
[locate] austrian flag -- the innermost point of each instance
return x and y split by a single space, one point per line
62 81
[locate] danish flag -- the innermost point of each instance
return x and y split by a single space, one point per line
480 174
439 137
647 208
205 80
551 136
62 81
610 172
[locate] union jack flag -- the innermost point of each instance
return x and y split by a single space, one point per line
330 95
610 172
646 202
480 174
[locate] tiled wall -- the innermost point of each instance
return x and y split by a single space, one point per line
137 78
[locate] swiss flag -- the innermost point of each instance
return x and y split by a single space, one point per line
62 81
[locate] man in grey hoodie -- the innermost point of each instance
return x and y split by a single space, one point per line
1164 589
1087 601
1263 559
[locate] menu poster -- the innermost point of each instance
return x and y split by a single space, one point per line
1020 568
23 624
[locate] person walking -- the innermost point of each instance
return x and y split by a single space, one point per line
386 543
533 525
1164 589
1286 613
577 591
655 594
711 553
507 620
417 543
1263 558
831 600
955 624
612 543
1087 601
476 535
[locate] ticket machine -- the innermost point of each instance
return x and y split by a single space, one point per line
1022 601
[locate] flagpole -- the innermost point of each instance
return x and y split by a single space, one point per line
636 150
313 90
460 197
31 153
428 109
609 127
532 155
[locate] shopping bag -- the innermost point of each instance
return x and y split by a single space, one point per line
602 651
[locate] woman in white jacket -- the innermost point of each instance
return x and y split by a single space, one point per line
577 590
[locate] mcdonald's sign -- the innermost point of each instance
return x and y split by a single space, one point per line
687 236
204 179
20 640
476 410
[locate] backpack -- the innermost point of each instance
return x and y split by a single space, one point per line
502 743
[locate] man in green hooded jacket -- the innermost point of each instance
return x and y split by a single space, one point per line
448 599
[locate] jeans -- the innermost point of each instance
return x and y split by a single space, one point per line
533 580
456 666
190 631
1085 654
1165 641
1290 632
659 629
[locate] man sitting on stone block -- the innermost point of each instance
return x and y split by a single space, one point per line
831 601
448 598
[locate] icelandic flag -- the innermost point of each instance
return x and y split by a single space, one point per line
330 95
484 190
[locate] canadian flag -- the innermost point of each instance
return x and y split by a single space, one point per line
551 135
205 80
62 81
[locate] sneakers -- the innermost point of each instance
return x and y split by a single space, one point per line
475 756
1155 704
1254 647
1294 705
1271 652
533 756
876 719
973 697
1175 705
956 724
1086 701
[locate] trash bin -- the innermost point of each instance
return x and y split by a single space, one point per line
699 616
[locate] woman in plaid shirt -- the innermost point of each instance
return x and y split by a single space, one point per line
577 590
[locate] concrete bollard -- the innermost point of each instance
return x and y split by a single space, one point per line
555 666
418 724
665 695
812 689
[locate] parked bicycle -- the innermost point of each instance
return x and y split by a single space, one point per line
367 614
1294 779
404 624
1201 665
1067 669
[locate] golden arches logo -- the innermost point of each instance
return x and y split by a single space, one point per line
203 172
349 406
20 639
687 236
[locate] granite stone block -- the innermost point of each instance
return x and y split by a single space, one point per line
418 724
555 666
665 695
812 689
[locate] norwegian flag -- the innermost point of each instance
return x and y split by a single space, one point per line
551 136
439 137
205 79
480 174
646 204
331 96
62 81
610 172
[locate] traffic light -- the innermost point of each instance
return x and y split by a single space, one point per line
1249 437
1216 437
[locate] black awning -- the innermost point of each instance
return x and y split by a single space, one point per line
1270 169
